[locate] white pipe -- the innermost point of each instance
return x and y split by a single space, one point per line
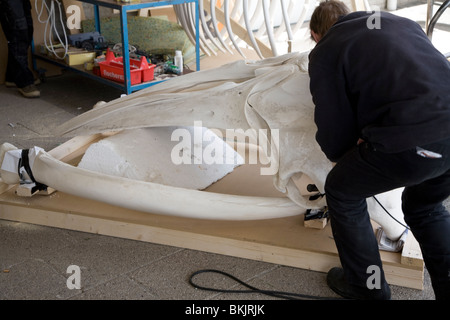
287 22
239 12
214 23
190 18
181 16
255 16
229 29
224 32
206 29
261 30
269 27
282 27
237 16
250 30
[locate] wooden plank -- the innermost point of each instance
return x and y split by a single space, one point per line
26 190
316 223
282 241
411 253
4 187
167 233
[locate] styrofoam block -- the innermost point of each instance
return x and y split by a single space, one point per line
149 154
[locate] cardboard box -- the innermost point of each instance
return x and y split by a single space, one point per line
75 56
78 58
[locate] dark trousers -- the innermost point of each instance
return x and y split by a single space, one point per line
364 172
17 24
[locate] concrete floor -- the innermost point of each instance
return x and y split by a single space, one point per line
34 259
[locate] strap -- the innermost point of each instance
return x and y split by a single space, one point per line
24 163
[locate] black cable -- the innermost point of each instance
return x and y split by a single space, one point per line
312 187
277 294
272 293
390 214
24 163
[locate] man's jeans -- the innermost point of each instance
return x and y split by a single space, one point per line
364 172
17 24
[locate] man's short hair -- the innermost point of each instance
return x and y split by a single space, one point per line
326 14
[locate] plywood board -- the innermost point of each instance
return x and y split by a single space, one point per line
282 241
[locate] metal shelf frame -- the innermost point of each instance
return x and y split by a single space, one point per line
124 8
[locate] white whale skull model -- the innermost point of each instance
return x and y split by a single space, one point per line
270 94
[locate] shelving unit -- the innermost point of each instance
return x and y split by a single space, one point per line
124 8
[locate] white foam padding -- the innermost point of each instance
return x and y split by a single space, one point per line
147 154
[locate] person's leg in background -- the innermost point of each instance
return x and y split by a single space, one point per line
17 24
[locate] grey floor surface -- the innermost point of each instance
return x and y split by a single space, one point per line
34 259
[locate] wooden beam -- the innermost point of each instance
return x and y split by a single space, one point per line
280 241
411 253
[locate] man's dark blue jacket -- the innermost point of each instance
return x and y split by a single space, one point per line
386 85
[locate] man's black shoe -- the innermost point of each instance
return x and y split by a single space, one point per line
337 283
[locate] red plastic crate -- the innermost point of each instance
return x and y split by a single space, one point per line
112 69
